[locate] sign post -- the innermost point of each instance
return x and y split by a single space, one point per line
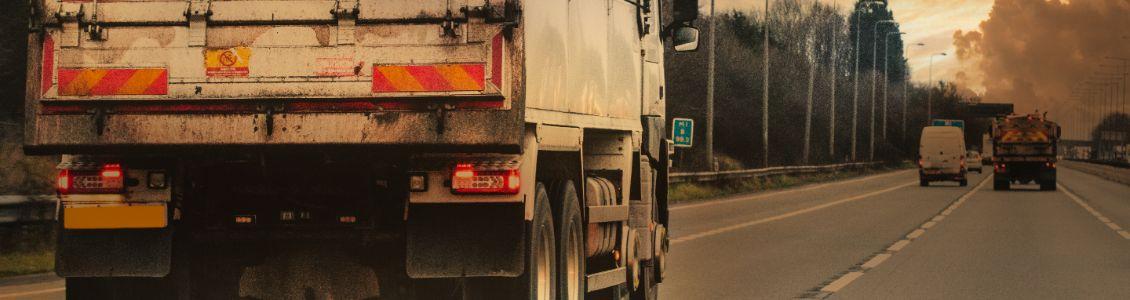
682 132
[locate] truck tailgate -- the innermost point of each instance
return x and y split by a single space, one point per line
164 72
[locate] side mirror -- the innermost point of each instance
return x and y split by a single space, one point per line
685 38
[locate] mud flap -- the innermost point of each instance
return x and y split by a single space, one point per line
465 240
114 253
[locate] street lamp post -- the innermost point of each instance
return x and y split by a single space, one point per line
709 139
765 95
905 94
929 90
874 78
855 80
832 101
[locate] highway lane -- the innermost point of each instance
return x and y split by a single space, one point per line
1018 245
834 240
787 244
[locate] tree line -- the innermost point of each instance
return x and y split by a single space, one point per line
812 51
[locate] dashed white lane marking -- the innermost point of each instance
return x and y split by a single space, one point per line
898 245
874 262
1106 221
802 189
916 233
842 282
29 293
786 215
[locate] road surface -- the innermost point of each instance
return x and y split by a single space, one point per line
884 237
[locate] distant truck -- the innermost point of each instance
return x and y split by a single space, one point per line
1024 151
510 148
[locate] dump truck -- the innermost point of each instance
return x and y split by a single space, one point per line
1024 151
381 148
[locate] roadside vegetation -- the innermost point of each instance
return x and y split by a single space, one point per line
26 249
700 191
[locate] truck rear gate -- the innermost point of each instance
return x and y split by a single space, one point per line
356 148
272 72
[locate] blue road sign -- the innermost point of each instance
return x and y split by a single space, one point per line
682 132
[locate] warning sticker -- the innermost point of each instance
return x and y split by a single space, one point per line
230 62
337 66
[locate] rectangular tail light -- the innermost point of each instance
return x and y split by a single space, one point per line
109 179
472 179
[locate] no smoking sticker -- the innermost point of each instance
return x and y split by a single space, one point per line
229 62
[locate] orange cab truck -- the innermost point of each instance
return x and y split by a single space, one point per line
1024 151
509 148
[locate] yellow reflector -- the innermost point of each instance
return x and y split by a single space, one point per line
115 217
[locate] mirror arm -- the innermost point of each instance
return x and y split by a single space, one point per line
666 31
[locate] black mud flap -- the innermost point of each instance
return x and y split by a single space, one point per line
114 253
465 240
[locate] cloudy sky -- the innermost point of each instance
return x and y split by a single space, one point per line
931 22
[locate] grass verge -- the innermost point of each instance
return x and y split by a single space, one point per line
698 191
27 249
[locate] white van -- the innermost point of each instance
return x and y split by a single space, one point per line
941 155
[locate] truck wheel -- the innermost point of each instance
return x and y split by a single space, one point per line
119 288
538 282
571 243
649 287
1000 185
88 288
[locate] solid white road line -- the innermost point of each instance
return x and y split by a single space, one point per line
1106 221
29 293
762 196
786 215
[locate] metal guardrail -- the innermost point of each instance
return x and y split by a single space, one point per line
751 173
38 208
26 209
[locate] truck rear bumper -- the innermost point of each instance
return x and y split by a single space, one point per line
87 133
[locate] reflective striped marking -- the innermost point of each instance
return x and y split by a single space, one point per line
428 78
105 82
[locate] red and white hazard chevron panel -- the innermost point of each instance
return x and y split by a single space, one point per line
112 82
428 78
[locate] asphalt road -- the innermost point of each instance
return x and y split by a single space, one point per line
883 237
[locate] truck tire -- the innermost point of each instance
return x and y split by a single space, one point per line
1047 181
1000 185
88 288
119 288
539 280
649 286
571 242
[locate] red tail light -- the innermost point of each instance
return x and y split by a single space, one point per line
63 182
467 179
109 179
